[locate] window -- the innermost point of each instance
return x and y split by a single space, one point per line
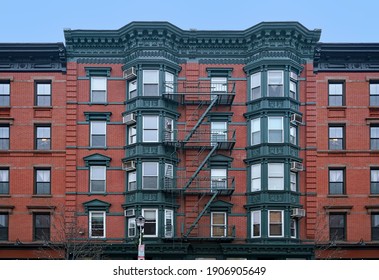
218 224
150 128
43 181
219 132
43 137
374 93
255 131
4 181
98 179
336 181
43 94
4 137
97 224
4 93
293 134
275 83
132 88
275 176
168 129
151 222
98 134
275 129
4 226
293 226
168 223
150 82
374 137
275 223
293 85
98 89
255 81
132 181
168 176
255 177
293 181
336 138
374 226
41 226
218 179
336 94
132 135
256 224
337 226
219 84
374 181
132 227
150 175
169 82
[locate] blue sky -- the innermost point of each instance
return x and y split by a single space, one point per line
44 20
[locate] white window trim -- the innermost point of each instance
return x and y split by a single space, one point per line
105 178
130 129
90 223
92 86
258 121
129 181
157 129
143 174
281 129
269 222
105 132
132 224
270 175
168 215
295 228
144 82
252 224
156 221
256 178
294 182
253 86
219 225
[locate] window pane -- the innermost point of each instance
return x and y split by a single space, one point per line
218 84
3 227
98 127
4 88
255 177
150 76
150 169
98 172
275 219
97 225
275 77
43 132
43 89
256 221
99 83
335 132
335 89
42 227
150 122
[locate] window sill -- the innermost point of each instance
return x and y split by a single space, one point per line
5 195
337 196
336 108
373 195
41 195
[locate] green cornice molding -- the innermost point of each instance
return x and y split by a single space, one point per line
192 44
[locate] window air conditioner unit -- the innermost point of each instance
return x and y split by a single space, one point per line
129 165
296 166
296 119
129 212
129 119
298 213
130 73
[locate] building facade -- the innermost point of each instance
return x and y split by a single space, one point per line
230 144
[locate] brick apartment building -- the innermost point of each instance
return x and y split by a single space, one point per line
253 144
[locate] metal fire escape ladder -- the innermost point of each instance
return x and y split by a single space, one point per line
214 148
189 135
201 214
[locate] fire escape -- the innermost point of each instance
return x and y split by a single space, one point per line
198 141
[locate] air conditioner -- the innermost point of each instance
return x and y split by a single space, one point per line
298 213
296 119
129 212
129 119
130 73
129 165
296 166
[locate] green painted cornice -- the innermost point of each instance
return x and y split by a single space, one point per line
166 41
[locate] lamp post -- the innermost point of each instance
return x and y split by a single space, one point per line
140 222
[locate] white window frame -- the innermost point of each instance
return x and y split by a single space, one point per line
91 214
104 132
274 176
154 81
99 86
255 83
269 223
104 173
41 91
224 224
256 221
148 120
169 82
293 135
270 83
168 221
132 131
271 127
219 179
132 226
219 132
255 125
168 129
293 181
144 210
293 229
132 89
132 178
144 175
256 175
219 84
5 93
